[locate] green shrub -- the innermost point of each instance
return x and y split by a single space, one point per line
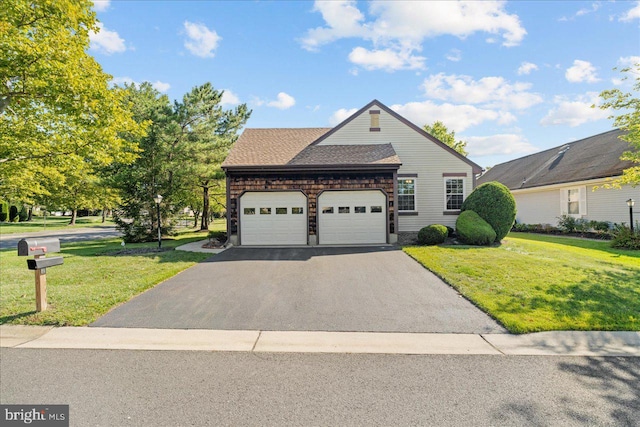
13 214
23 215
4 210
495 204
474 230
433 234
624 238
600 226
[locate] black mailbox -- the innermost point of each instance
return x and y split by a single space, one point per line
38 246
41 263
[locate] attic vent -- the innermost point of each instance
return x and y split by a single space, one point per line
375 120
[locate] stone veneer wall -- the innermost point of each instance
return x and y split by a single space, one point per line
311 185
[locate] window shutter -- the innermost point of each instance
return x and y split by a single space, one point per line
583 200
564 202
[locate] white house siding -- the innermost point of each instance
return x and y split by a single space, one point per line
611 204
419 155
543 206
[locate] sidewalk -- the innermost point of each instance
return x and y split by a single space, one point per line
561 343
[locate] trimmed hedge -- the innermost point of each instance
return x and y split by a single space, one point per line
495 204
474 230
432 234
13 214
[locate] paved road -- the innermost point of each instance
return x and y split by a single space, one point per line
372 289
71 235
144 388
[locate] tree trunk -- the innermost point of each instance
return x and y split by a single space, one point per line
30 217
196 216
104 215
204 225
74 215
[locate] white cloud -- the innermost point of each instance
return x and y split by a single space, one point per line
626 62
574 112
581 71
283 102
106 41
161 86
201 41
101 5
631 14
229 98
386 59
455 117
158 85
526 68
494 92
501 144
340 116
454 55
401 27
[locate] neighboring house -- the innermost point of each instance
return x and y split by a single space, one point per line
561 181
369 180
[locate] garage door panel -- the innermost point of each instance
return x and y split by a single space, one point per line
273 218
352 217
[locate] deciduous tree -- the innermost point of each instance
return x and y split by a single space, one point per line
627 105
440 131
56 107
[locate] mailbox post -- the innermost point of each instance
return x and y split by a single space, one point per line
39 247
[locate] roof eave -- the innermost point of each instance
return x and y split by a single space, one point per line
314 168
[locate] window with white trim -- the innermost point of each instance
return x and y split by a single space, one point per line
573 201
406 195
454 193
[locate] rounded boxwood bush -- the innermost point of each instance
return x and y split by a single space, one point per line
495 204
432 234
474 230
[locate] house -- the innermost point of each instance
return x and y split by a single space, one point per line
372 179
562 181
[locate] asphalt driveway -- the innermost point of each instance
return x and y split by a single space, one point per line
373 289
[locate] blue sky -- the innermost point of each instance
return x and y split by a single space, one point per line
511 78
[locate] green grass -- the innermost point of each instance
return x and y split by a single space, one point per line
537 283
39 223
91 281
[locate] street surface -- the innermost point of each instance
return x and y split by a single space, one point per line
65 236
178 388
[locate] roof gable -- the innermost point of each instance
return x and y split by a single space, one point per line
377 105
590 158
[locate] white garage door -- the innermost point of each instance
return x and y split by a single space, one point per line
273 218
346 217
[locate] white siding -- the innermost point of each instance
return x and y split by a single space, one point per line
611 204
419 155
543 207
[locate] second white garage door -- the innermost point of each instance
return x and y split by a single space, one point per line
273 218
352 217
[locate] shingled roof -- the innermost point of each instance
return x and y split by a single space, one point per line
292 147
590 158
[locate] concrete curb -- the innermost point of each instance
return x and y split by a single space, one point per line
562 343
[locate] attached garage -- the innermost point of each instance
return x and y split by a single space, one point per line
352 217
273 218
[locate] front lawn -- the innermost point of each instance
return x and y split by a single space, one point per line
92 280
537 283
